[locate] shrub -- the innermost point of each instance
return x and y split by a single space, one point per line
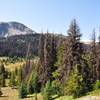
12 81
23 90
46 91
32 86
20 76
56 88
74 85
96 85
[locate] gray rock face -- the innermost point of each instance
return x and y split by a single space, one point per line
14 28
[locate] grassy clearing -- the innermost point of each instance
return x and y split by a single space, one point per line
12 94
65 98
12 66
11 63
95 93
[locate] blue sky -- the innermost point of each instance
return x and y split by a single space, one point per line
54 15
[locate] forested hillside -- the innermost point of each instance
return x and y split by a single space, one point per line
64 67
17 45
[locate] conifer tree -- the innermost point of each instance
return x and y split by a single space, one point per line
98 56
46 91
12 82
58 74
74 85
2 75
53 53
73 56
32 85
23 90
72 51
93 58
20 76
41 59
47 57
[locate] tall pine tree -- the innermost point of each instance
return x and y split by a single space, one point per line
47 56
72 51
93 58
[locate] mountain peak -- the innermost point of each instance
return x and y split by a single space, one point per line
14 28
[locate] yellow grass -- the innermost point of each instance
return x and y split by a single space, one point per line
12 66
3 58
12 94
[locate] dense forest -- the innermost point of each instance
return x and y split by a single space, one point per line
64 66
16 45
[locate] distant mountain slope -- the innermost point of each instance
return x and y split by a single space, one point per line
14 28
17 45
15 38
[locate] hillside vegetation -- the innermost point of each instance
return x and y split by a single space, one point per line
62 70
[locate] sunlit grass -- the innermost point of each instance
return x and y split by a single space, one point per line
12 66
95 92
65 98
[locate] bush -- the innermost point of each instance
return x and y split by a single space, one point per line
20 76
46 91
96 85
12 81
23 90
32 86
74 85
56 88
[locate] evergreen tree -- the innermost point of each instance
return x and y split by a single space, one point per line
47 57
46 91
93 58
2 75
60 55
23 90
73 56
12 82
98 58
53 53
20 76
32 85
72 51
41 59
75 83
